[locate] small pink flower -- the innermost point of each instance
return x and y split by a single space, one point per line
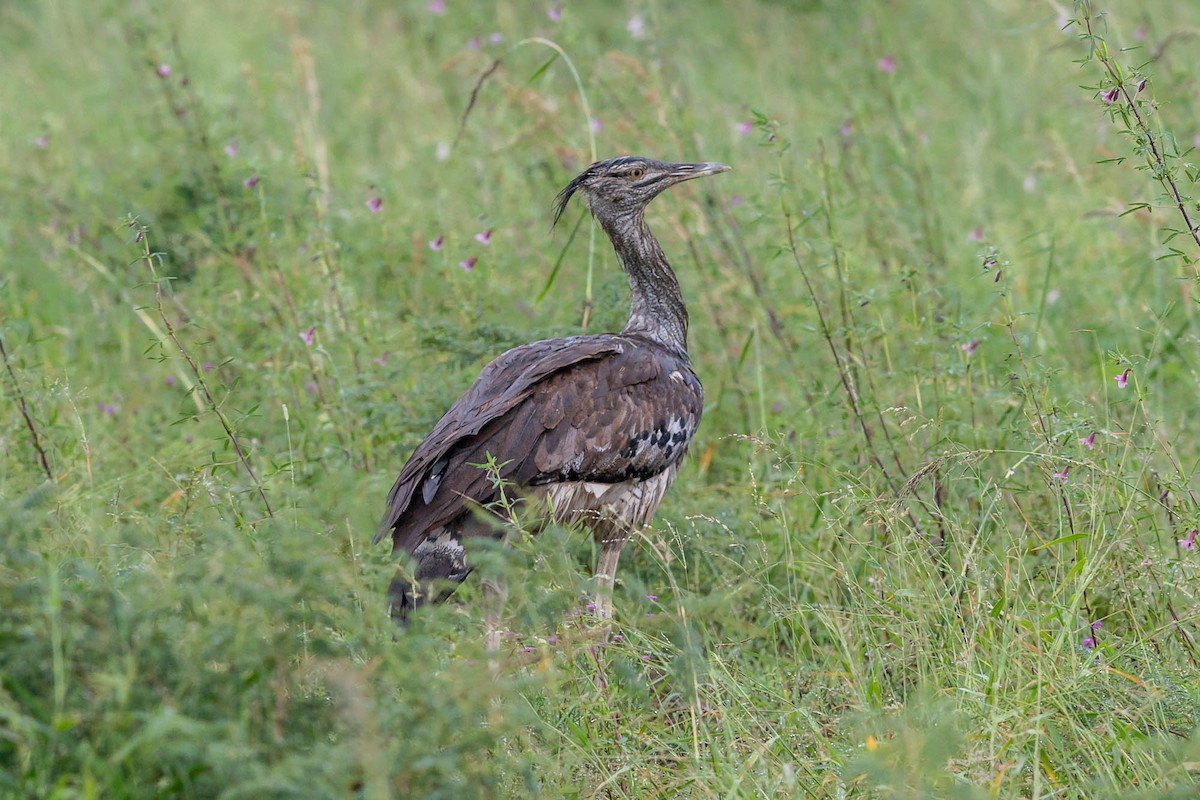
1089 643
206 366
437 6
170 380
163 71
591 607
887 65
526 649
552 640
1111 95
745 128
307 336
645 658
1139 34
468 264
1189 543
653 598
436 244
375 203
554 13
250 182
976 235
381 360
484 238
1122 379
1062 476
969 347
736 200
188 438
42 142
1089 441
495 38
846 129
594 125
1053 296
617 638
231 149
1097 625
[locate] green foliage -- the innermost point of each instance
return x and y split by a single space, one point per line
917 489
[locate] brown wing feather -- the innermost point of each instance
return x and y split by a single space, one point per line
602 409
413 503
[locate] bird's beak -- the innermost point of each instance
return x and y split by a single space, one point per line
685 172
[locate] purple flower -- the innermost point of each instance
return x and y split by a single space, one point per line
1111 95
636 26
1141 85
250 182
736 200
645 658
617 637
474 42
1089 441
1189 543
554 13
969 347
552 640
206 366
163 71
1089 643
1097 625
887 65
468 264
976 235
649 613
307 336
170 380
484 238
107 409
188 439
594 125
310 387
231 149
437 6
436 244
1139 34
1062 476
846 129
1122 379
1053 296
591 607
745 128
381 360
653 598
495 38
375 203
42 142
527 649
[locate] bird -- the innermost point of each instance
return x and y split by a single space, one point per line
591 428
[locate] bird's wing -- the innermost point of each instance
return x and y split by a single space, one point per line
600 409
501 386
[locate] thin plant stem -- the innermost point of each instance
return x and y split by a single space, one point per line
150 258
24 407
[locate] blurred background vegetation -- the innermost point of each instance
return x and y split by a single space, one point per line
926 543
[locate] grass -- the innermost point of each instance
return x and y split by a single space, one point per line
896 565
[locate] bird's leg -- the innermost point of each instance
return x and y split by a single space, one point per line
494 595
606 573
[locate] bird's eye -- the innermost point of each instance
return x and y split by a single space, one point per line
636 172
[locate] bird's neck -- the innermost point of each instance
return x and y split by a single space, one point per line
656 309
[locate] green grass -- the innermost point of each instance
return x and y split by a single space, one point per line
882 593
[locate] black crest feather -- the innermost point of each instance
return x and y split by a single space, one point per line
564 197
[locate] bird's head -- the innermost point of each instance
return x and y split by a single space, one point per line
620 187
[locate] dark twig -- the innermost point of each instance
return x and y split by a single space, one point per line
487 73
150 257
33 433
